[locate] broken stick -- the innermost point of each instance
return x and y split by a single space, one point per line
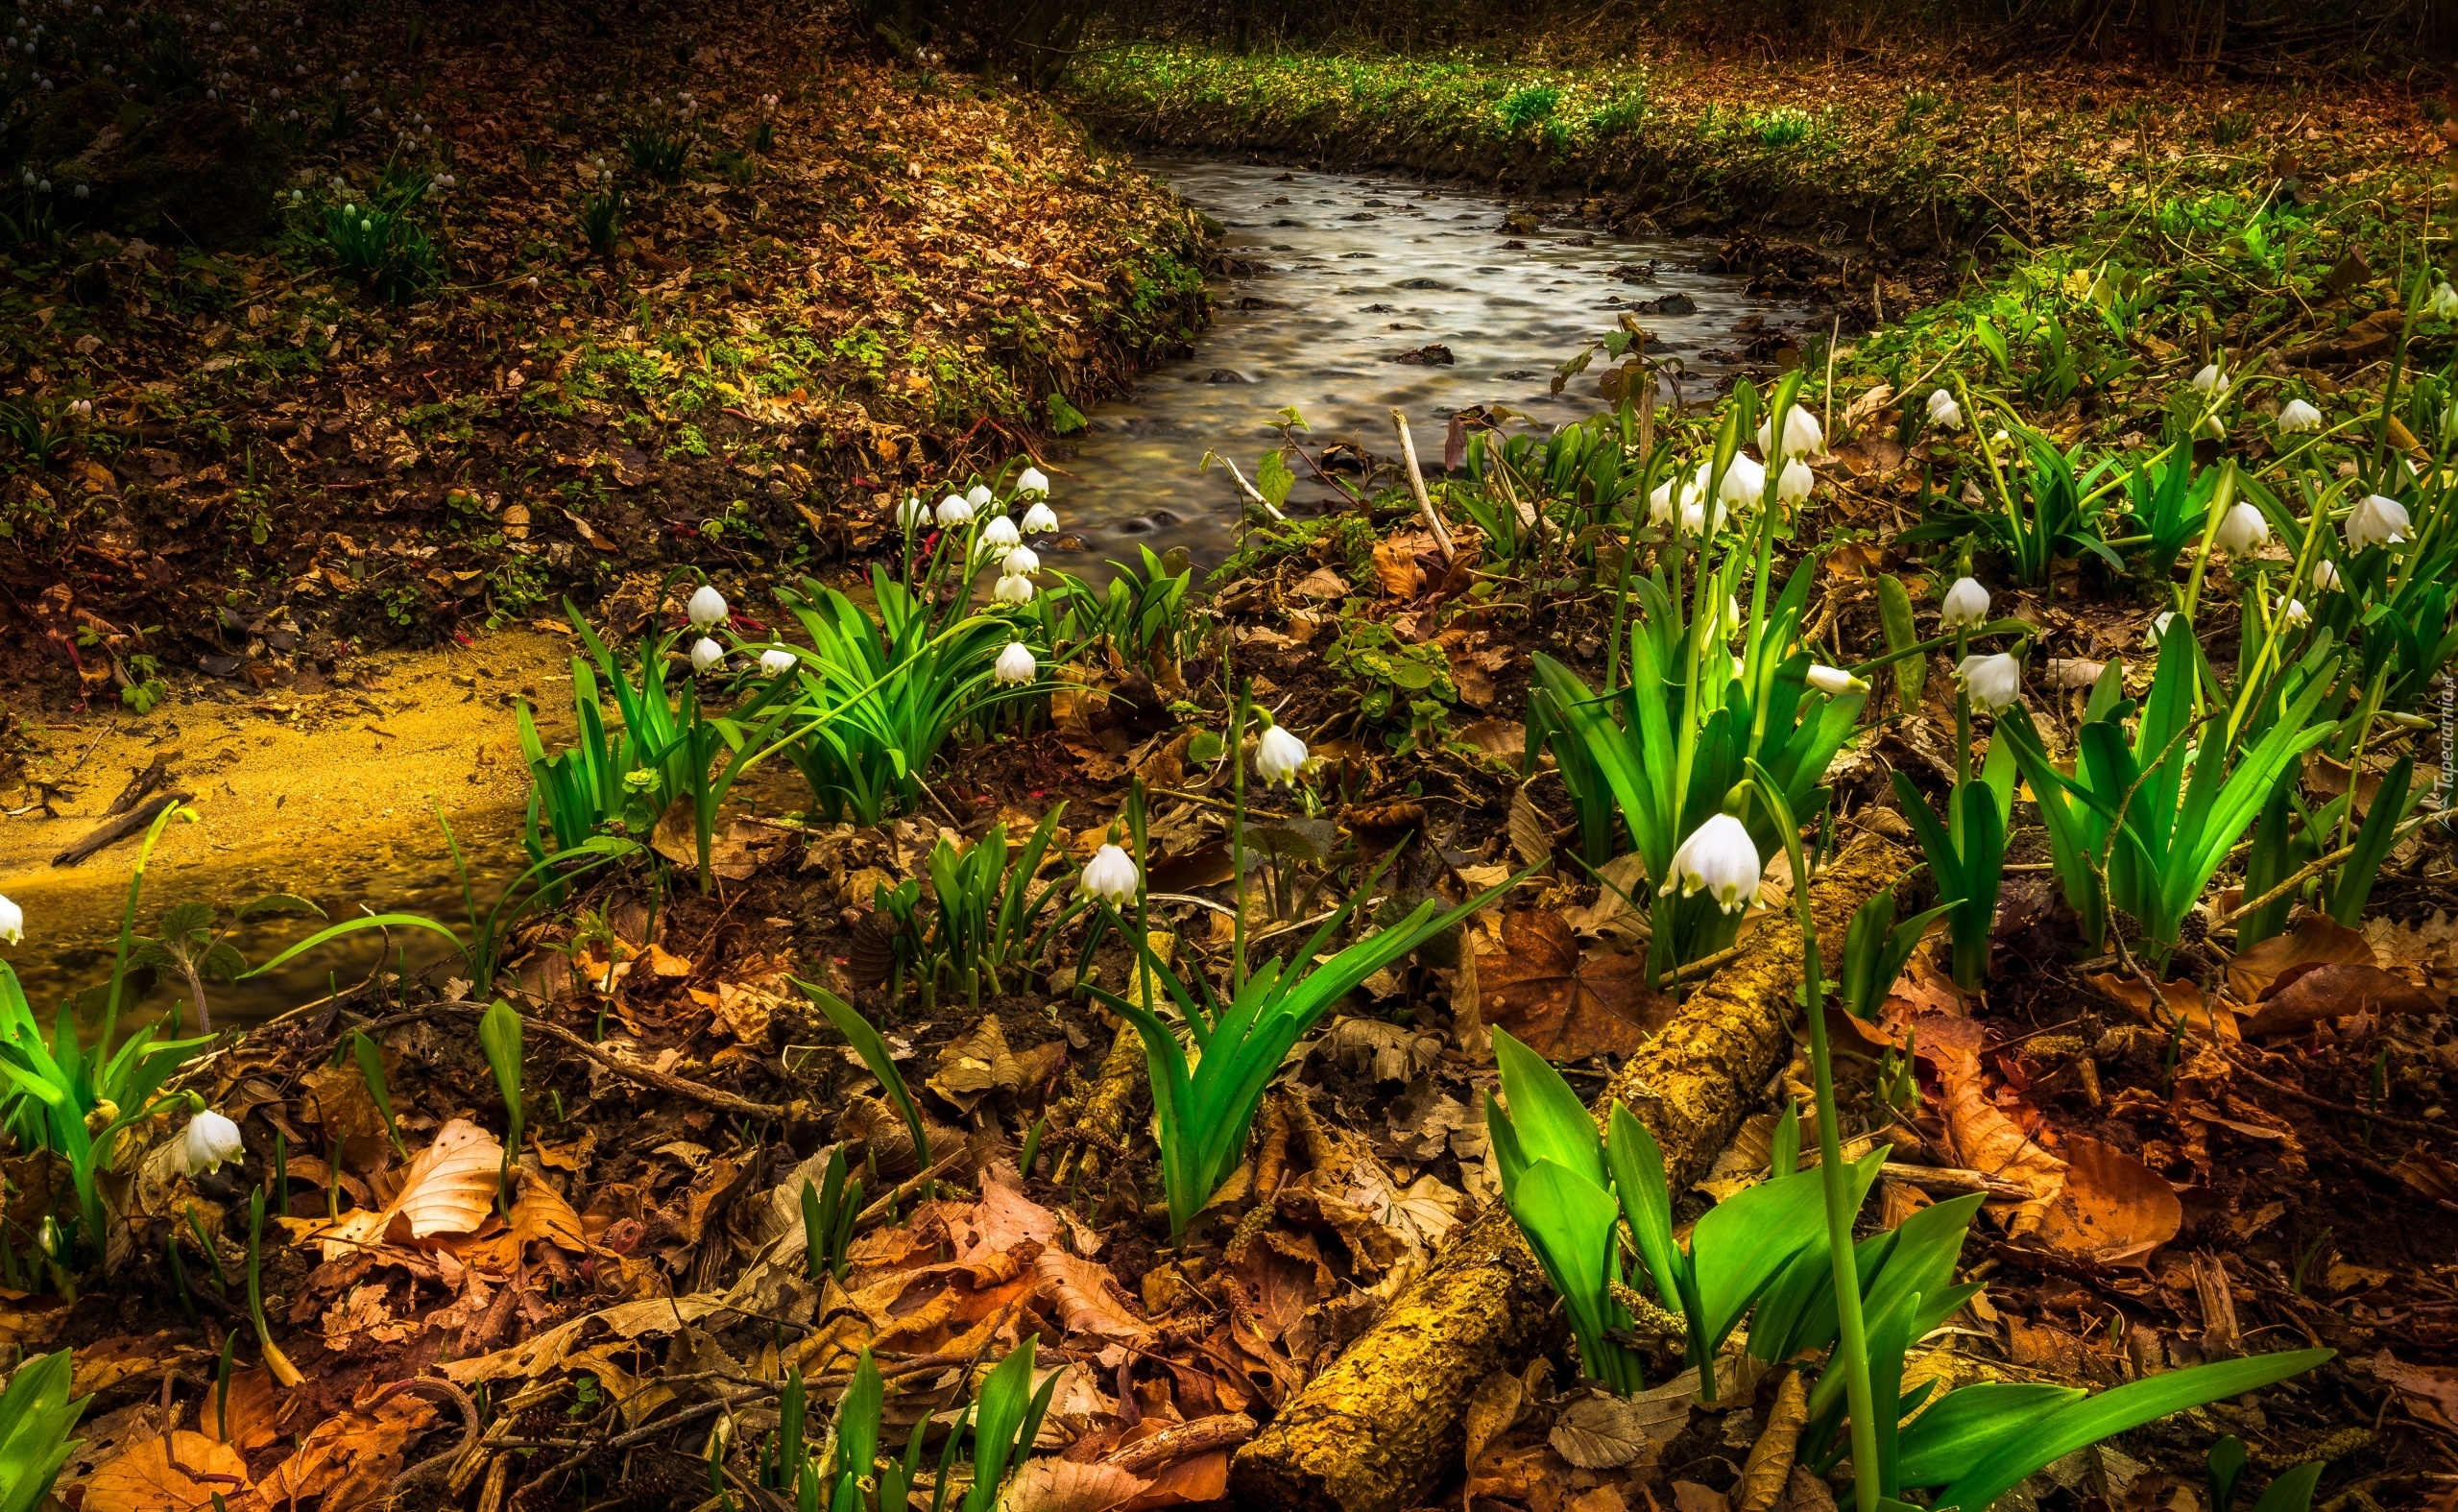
1417 486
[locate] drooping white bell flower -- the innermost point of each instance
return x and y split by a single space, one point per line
2241 530
2378 520
1020 562
2296 417
1793 484
1744 483
2159 627
1662 502
956 510
13 922
776 661
1015 665
706 654
2292 613
1031 483
1000 534
1110 876
2211 382
1012 588
912 514
1803 436
1944 412
1278 756
1993 682
208 1140
2325 576
978 495
1040 520
1835 681
707 608
1965 606
2445 302
1719 860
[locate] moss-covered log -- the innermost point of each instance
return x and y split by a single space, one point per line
1383 1426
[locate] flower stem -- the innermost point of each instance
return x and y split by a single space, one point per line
1852 1345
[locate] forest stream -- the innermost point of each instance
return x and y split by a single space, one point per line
333 794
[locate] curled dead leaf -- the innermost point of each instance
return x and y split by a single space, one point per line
2313 940
448 1189
2113 1209
2306 995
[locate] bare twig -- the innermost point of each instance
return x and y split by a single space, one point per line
662 1081
469 1428
2389 1121
1417 486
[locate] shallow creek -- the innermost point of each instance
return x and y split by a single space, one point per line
1361 273
334 794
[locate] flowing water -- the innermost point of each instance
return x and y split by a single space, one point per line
333 795
1359 274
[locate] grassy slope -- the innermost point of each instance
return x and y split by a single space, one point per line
888 295
1839 153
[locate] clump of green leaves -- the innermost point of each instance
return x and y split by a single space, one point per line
657 148
382 243
830 1207
600 218
1204 1105
35 1419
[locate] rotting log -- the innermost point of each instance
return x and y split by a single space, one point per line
1380 1428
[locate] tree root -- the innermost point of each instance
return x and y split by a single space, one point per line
1381 1428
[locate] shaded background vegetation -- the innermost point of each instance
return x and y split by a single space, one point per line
1034 38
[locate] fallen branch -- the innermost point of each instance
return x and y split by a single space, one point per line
114 832
1379 1428
1417 486
1184 1441
630 1071
2387 1120
1951 1180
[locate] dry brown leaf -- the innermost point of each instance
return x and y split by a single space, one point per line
2180 998
1493 1408
2428 1173
1196 1480
348 1459
2114 1210
2305 996
448 1189
158 1475
1498 739
1563 1004
1049 1484
1984 1139
1323 583
1395 566
1089 1298
543 1213
2319 938
1770 1470
2430 1392
1689 1496
976 1065
1603 1432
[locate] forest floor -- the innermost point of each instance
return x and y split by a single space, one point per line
618 303
884 295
